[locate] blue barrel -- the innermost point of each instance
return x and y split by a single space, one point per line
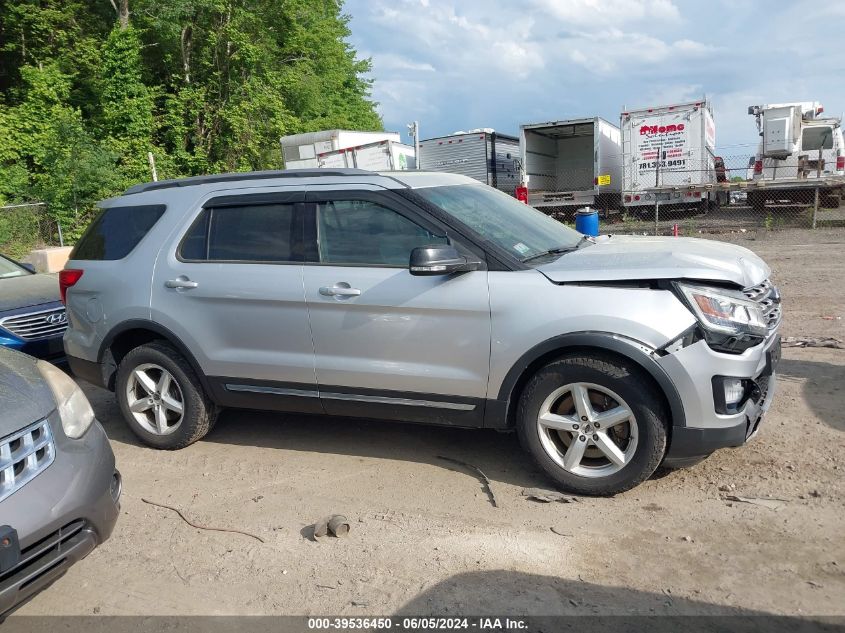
587 221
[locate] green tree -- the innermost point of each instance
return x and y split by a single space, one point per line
126 103
88 87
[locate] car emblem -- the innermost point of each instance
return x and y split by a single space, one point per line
57 318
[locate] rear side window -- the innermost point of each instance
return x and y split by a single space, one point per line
254 233
116 231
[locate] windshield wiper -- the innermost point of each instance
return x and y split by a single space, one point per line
559 250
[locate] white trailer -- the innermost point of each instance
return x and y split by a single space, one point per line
668 154
796 144
378 156
300 150
572 163
483 154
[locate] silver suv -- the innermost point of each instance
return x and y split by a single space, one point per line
420 297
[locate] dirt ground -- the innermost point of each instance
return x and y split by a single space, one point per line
425 539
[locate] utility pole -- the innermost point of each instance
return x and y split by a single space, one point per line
657 184
414 131
152 162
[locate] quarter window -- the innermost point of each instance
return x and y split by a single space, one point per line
116 231
256 233
366 233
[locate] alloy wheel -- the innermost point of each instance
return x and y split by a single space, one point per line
587 429
155 399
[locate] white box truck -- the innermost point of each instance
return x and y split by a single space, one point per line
378 156
669 151
483 154
300 150
571 163
796 145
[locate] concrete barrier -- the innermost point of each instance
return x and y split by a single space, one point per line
49 260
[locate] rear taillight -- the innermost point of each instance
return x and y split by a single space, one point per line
522 194
758 166
627 198
68 278
637 198
840 163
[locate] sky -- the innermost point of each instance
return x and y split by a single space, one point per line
463 64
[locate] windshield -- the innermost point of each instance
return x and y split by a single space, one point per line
10 269
519 229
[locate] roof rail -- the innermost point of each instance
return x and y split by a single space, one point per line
250 175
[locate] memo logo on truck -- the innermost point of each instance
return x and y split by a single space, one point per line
648 130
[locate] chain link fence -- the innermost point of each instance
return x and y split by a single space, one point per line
24 227
680 196
674 195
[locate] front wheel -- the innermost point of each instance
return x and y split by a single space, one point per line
595 424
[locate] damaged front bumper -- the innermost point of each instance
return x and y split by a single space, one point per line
692 370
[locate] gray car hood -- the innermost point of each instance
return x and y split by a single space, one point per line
28 290
24 395
630 257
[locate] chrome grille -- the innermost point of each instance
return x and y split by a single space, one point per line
767 296
24 455
36 325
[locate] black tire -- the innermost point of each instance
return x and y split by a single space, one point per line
199 413
620 377
830 202
757 202
646 213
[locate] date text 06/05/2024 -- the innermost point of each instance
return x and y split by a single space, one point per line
416 623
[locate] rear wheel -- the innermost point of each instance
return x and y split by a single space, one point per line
161 398
596 425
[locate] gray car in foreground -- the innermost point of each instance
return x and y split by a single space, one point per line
59 490
420 297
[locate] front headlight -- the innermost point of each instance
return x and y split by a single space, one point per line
724 311
74 409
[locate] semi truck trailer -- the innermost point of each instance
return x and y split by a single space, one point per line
669 151
300 150
378 156
571 163
483 154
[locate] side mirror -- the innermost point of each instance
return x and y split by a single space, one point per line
27 266
439 259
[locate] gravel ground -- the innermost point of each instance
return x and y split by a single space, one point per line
425 539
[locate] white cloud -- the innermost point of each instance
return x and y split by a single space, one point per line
391 61
591 12
476 63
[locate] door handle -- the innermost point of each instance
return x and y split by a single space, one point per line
180 282
339 290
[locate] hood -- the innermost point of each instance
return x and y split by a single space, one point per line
632 257
28 290
24 395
